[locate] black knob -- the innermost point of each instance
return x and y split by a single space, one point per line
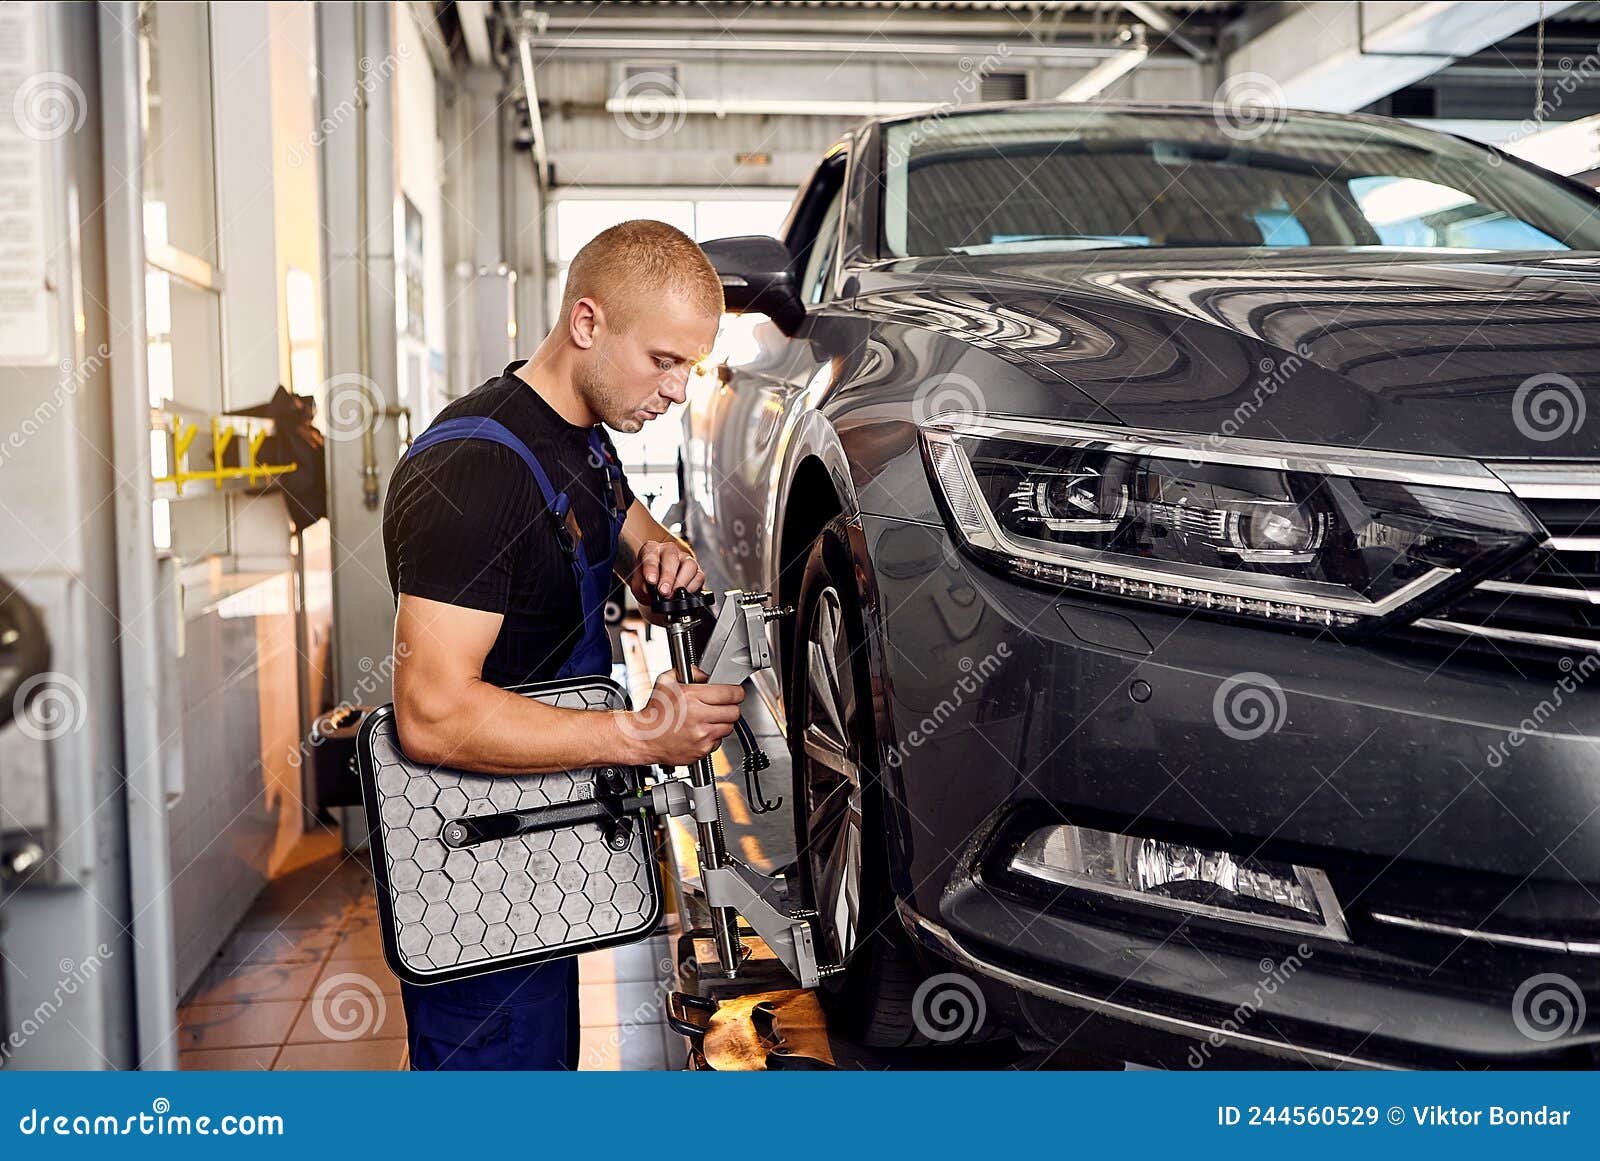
681 603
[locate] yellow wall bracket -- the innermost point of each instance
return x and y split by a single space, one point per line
251 472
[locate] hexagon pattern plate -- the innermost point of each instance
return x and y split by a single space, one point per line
449 914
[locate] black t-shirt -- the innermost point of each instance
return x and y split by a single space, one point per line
464 523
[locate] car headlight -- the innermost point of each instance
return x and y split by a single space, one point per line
1238 527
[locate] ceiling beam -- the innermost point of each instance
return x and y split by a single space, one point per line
1111 70
1342 57
474 18
1162 21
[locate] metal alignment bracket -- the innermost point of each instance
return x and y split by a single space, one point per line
736 648
738 644
752 895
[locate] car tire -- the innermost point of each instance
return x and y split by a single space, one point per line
840 835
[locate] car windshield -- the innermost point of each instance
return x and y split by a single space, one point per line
1057 179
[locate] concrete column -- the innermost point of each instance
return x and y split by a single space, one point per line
356 165
490 292
70 943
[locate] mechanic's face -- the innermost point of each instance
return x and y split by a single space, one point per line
633 376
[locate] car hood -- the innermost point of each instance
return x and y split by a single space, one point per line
1490 355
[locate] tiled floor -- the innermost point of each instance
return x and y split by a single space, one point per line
302 985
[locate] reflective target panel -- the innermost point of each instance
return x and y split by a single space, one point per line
448 910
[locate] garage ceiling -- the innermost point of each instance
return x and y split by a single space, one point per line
820 65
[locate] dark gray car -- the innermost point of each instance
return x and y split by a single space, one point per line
1194 538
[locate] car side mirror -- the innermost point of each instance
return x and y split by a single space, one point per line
756 278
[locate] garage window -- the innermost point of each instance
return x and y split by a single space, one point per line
577 220
650 456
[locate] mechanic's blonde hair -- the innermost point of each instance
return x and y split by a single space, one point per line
633 263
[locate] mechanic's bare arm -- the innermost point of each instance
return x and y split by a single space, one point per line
448 715
650 560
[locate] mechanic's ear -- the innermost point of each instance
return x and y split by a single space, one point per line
586 320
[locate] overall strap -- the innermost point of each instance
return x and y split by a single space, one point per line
492 430
592 654
613 473
482 427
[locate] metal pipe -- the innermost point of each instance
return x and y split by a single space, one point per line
972 26
845 46
1108 72
302 686
369 443
530 90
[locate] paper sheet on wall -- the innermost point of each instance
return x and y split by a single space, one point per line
36 106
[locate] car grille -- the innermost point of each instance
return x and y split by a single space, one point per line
1549 600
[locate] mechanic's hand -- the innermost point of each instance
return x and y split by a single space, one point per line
664 567
681 722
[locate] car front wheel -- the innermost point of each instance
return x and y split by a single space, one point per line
839 818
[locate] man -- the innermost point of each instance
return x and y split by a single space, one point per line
501 529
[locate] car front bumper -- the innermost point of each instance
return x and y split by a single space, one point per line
1451 797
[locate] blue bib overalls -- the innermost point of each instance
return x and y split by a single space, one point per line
521 1018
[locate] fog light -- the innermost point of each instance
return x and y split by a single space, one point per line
1202 882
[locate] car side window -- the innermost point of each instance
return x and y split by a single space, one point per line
819 263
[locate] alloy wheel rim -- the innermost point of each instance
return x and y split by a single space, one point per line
832 776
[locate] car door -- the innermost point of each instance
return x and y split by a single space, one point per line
735 439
